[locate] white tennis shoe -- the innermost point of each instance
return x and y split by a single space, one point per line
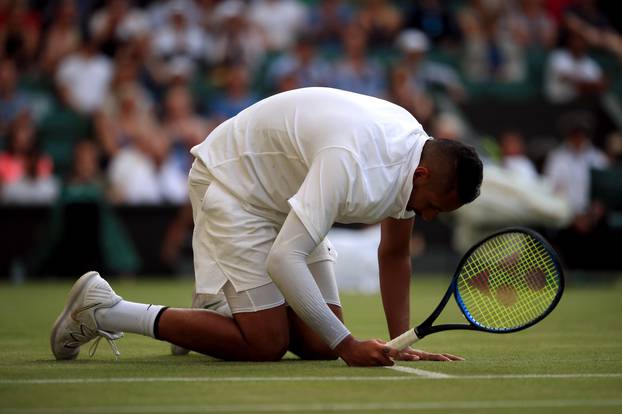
215 303
76 325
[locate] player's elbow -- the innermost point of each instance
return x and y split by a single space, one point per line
277 259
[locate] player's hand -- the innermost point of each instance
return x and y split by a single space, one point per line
366 353
410 354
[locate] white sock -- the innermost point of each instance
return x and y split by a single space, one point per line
128 317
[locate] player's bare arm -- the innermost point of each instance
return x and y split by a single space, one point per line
395 273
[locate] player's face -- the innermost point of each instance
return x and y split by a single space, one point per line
427 201
428 204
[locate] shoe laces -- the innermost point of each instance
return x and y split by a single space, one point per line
110 337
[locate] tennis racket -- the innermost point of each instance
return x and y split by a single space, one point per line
507 282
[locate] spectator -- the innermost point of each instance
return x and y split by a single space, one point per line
81 221
237 40
586 18
236 94
491 51
532 25
326 22
127 112
571 73
20 30
160 12
355 71
62 37
145 173
117 23
434 19
17 158
32 188
280 21
513 157
381 21
179 45
568 166
83 78
425 75
183 125
447 125
408 96
13 102
204 13
556 9
85 170
303 63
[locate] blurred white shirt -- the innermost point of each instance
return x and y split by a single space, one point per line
28 191
137 180
562 65
86 78
134 23
520 164
568 171
280 20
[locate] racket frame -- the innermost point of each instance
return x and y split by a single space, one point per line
425 328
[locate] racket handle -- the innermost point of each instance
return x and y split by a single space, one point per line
404 340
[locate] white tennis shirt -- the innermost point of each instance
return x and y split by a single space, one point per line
330 155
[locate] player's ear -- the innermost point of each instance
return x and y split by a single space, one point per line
421 173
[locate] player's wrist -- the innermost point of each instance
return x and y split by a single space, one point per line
345 345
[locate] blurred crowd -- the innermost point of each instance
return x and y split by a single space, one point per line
112 94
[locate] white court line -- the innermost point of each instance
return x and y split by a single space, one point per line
43 381
543 376
319 407
419 372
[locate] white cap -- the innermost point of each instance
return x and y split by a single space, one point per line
412 40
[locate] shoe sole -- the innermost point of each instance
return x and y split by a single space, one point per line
75 291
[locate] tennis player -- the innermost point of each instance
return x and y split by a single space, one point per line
266 186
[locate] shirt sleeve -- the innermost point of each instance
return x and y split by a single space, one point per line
326 191
287 266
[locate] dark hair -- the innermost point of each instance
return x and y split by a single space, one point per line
467 172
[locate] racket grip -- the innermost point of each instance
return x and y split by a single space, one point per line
404 340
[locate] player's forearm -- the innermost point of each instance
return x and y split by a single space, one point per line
288 269
395 289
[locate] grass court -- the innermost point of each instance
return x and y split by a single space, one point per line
569 363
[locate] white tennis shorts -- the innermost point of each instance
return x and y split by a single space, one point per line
231 242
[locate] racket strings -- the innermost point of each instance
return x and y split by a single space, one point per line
506 292
529 309
508 281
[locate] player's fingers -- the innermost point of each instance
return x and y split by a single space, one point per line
454 357
434 357
408 356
